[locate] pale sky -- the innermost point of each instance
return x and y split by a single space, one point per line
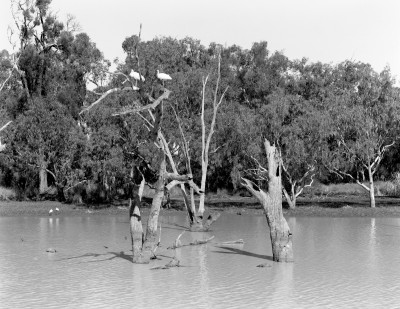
330 31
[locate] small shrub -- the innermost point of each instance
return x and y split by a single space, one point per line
7 194
389 188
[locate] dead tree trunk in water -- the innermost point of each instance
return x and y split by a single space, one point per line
136 230
281 237
197 223
150 240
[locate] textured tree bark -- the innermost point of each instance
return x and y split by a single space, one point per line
136 230
143 246
150 241
43 185
281 237
291 199
371 187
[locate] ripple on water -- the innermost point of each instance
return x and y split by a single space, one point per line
339 263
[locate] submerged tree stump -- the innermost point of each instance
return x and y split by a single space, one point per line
136 231
197 224
281 237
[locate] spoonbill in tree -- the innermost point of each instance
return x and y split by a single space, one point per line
163 76
136 76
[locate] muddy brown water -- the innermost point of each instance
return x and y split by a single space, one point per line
339 263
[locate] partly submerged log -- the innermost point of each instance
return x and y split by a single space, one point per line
281 237
232 242
178 243
173 263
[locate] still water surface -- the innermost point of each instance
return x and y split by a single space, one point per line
339 263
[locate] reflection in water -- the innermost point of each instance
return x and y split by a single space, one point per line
339 262
281 292
372 234
204 281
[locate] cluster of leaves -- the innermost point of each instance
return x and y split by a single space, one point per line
297 105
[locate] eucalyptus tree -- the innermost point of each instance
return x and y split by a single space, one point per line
293 125
42 139
148 149
192 93
53 63
363 123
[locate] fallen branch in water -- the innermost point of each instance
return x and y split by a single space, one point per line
232 242
178 244
173 263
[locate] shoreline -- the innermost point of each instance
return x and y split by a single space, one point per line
353 206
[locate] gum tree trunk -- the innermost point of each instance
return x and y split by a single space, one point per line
290 198
143 245
371 187
136 230
150 240
281 237
43 185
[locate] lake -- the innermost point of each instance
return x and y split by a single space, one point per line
339 263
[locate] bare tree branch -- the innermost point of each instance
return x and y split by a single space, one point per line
153 105
341 174
5 126
14 67
103 96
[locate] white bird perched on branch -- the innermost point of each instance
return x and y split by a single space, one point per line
136 76
163 76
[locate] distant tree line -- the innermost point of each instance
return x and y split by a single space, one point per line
331 122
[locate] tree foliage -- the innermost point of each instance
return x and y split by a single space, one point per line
342 118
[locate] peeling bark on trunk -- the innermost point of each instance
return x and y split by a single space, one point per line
281 237
136 230
143 246
150 241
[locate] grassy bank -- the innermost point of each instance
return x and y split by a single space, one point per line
339 206
335 200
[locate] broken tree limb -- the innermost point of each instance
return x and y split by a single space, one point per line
152 105
232 242
177 240
178 244
103 96
188 180
5 126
